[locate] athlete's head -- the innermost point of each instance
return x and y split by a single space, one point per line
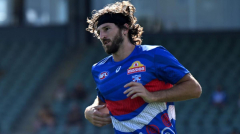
111 37
115 23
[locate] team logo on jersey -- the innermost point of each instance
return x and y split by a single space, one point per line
103 75
136 67
136 78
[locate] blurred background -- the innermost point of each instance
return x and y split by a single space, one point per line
46 57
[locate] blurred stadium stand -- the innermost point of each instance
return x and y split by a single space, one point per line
26 64
37 51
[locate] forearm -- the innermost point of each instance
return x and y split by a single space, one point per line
184 90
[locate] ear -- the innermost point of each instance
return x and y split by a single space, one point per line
125 30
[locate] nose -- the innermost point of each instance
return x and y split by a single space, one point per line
102 35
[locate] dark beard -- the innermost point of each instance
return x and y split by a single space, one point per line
117 41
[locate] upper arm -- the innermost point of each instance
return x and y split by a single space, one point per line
97 102
100 96
191 85
188 77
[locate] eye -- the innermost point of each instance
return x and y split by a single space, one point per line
106 29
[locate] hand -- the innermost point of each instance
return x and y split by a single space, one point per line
97 118
138 90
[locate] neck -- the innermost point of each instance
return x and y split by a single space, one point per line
124 51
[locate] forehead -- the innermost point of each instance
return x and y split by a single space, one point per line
106 25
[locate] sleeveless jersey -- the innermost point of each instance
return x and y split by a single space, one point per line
156 69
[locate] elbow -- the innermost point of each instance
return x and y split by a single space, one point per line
85 113
198 91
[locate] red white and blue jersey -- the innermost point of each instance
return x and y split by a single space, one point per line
156 69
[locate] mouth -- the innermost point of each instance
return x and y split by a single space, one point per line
105 42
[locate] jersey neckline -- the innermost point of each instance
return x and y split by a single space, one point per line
132 53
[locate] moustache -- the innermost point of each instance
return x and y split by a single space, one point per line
103 40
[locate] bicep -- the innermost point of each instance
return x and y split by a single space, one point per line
187 78
190 84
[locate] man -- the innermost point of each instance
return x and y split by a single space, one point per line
137 83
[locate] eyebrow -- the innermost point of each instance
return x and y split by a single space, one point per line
103 27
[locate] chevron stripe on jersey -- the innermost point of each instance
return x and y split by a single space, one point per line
156 69
138 122
130 105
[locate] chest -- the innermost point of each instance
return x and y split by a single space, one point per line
111 79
